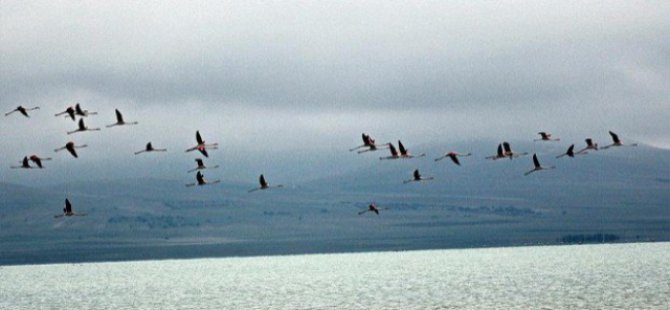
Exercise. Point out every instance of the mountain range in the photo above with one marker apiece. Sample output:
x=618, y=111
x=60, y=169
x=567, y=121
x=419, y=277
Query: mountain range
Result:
x=622, y=192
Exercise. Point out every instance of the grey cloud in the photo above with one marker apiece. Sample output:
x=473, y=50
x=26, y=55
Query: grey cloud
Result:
x=262, y=75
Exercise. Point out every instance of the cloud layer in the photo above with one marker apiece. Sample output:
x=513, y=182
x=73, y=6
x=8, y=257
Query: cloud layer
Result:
x=263, y=74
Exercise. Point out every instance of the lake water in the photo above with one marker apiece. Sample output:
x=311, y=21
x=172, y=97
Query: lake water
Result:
x=554, y=277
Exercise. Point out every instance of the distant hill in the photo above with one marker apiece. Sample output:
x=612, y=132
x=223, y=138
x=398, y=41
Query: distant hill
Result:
x=622, y=192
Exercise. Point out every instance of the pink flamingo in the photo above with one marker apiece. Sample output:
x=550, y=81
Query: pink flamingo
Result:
x=616, y=142
x=83, y=113
x=509, y=153
x=70, y=147
x=67, y=211
x=201, y=166
x=264, y=185
x=70, y=113
x=24, y=164
x=537, y=166
x=368, y=142
x=453, y=156
x=571, y=152
x=38, y=160
x=23, y=110
x=372, y=208
x=590, y=145
x=150, y=148
x=545, y=137
x=120, y=121
x=404, y=153
x=500, y=154
x=201, y=146
x=417, y=177
x=82, y=127
x=200, y=180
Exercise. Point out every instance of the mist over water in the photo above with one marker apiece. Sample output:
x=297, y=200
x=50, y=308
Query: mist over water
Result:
x=557, y=277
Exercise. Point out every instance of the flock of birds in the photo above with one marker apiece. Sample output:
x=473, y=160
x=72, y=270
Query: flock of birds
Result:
x=504, y=150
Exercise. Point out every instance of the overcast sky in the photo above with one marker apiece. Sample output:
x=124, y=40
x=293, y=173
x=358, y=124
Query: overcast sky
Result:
x=275, y=78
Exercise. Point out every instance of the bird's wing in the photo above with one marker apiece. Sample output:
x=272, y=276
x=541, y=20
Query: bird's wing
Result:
x=615, y=137
x=507, y=147
x=454, y=159
x=402, y=148
x=119, y=117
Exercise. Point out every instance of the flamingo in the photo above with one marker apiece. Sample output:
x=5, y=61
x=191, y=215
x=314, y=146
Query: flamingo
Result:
x=201, y=166
x=417, y=178
x=394, y=153
x=23, y=110
x=368, y=142
x=537, y=165
x=201, y=146
x=70, y=147
x=200, y=178
x=372, y=208
x=404, y=153
x=150, y=148
x=24, y=164
x=509, y=153
x=38, y=160
x=616, y=142
x=120, y=121
x=70, y=113
x=589, y=146
x=264, y=185
x=82, y=127
x=500, y=154
x=453, y=156
x=544, y=136
x=67, y=211
x=571, y=152
x=83, y=113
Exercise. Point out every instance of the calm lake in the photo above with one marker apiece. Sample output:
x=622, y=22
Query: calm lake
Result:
x=635, y=275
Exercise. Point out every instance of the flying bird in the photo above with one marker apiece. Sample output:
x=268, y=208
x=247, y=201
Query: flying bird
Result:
x=120, y=121
x=590, y=145
x=509, y=153
x=537, y=166
x=83, y=113
x=70, y=147
x=264, y=185
x=394, y=153
x=570, y=152
x=417, y=177
x=201, y=146
x=70, y=113
x=200, y=180
x=616, y=142
x=150, y=148
x=453, y=156
x=545, y=137
x=82, y=127
x=67, y=211
x=368, y=142
x=24, y=164
x=372, y=208
x=404, y=153
x=201, y=165
x=38, y=160
x=23, y=110
x=499, y=154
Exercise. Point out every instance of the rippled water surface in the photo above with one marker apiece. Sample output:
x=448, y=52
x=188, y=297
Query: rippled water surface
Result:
x=558, y=277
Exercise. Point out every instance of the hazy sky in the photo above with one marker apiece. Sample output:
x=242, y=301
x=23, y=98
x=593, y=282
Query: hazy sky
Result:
x=273, y=80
